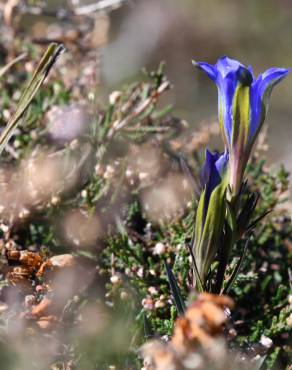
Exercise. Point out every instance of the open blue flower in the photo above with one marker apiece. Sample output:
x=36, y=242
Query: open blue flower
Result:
x=242, y=107
x=210, y=211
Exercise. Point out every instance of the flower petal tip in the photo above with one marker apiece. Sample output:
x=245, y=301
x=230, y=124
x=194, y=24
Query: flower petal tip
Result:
x=209, y=69
x=286, y=71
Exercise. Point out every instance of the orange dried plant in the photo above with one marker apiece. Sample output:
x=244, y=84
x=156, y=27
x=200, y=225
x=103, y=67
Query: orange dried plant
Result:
x=194, y=334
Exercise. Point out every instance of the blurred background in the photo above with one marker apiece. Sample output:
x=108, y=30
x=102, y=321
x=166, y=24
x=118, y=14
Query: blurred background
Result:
x=130, y=35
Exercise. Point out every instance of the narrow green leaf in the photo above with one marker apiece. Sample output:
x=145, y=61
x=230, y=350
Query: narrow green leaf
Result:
x=237, y=269
x=41, y=72
x=206, y=250
x=178, y=300
x=223, y=256
x=258, y=219
x=199, y=283
x=246, y=213
x=148, y=333
x=198, y=230
x=231, y=216
x=163, y=112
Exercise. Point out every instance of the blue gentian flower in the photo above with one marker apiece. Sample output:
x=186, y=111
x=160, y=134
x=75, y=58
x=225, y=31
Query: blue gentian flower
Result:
x=242, y=107
x=210, y=211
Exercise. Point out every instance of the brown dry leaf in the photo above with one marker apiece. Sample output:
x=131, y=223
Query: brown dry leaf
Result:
x=19, y=274
x=213, y=314
x=199, y=329
x=29, y=263
x=43, y=268
x=220, y=300
x=30, y=259
x=181, y=336
x=191, y=331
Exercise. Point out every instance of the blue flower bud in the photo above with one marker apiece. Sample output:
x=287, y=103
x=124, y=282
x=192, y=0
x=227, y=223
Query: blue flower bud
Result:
x=210, y=211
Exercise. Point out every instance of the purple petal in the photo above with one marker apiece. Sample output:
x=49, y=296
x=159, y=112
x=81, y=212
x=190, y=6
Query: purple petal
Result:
x=226, y=65
x=231, y=73
x=226, y=89
x=207, y=167
x=221, y=162
x=211, y=174
x=251, y=71
x=269, y=79
x=213, y=168
x=207, y=68
x=259, y=95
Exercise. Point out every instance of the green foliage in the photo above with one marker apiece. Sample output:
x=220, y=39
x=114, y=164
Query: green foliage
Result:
x=263, y=286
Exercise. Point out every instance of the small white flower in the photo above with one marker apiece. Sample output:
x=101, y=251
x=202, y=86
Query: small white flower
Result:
x=159, y=304
x=143, y=176
x=129, y=172
x=84, y=193
x=140, y=272
x=4, y=228
x=148, y=303
x=55, y=200
x=159, y=248
x=114, y=97
x=74, y=144
x=109, y=172
x=152, y=290
x=115, y=279
x=266, y=341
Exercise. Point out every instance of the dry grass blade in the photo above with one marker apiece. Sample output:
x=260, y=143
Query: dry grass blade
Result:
x=6, y=68
x=48, y=60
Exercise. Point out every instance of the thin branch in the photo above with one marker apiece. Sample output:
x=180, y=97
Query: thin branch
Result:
x=6, y=68
x=139, y=110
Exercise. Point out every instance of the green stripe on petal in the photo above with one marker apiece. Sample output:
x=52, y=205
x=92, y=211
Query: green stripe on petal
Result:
x=221, y=120
x=240, y=134
x=241, y=116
